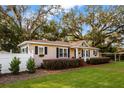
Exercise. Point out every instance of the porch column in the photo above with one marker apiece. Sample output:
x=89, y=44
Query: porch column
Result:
x=76, y=52
x=115, y=57
x=85, y=56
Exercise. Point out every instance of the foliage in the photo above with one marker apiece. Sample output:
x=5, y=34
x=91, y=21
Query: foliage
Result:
x=31, y=65
x=111, y=49
x=104, y=25
x=71, y=25
x=14, y=65
x=61, y=63
x=17, y=25
x=99, y=60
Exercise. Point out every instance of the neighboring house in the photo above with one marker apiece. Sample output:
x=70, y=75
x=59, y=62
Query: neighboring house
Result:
x=59, y=49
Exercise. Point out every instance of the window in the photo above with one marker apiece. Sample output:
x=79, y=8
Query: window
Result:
x=63, y=52
x=41, y=50
x=88, y=53
x=94, y=52
x=24, y=50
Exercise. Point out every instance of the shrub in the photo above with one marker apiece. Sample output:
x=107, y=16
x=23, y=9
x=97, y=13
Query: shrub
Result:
x=100, y=60
x=61, y=63
x=31, y=65
x=14, y=65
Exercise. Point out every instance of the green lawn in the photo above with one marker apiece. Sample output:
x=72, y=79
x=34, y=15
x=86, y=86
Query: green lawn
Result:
x=106, y=75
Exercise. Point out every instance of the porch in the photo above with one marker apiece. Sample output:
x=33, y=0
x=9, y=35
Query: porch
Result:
x=84, y=53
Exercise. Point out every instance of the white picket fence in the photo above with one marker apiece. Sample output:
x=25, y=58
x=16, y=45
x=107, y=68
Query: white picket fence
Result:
x=5, y=60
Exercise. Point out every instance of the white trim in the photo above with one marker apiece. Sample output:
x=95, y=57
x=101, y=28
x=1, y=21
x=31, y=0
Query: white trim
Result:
x=31, y=42
x=76, y=52
x=84, y=47
x=85, y=55
x=41, y=43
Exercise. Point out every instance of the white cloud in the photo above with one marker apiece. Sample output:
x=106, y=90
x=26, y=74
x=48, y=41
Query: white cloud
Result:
x=67, y=6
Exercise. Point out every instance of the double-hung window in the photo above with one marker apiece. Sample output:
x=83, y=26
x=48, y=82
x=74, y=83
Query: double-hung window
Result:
x=88, y=53
x=41, y=51
x=63, y=52
x=95, y=52
x=60, y=52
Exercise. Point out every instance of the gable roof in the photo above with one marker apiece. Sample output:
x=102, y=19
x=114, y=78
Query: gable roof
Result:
x=79, y=43
x=74, y=44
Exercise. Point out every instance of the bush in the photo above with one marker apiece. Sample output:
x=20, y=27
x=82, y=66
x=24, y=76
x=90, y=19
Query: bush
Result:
x=14, y=65
x=100, y=60
x=31, y=65
x=61, y=63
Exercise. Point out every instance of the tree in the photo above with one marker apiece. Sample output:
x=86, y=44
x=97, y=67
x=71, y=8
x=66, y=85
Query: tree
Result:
x=18, y=21
x=106, y=25
x=71, y=24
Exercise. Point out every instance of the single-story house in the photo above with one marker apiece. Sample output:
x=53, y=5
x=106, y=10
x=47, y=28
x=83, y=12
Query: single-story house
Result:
x=59, y=49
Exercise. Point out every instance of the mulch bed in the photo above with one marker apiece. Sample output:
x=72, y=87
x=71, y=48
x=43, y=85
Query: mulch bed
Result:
x=10, y=78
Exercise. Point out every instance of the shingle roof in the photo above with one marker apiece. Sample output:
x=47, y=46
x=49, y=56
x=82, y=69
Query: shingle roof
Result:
x=53, y=42
x=59, y=43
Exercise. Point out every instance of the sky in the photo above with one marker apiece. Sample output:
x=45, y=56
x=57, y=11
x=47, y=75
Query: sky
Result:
x=81, y=8
x=66, y=7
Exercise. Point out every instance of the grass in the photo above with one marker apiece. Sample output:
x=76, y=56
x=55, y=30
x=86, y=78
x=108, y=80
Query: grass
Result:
x=100, y=76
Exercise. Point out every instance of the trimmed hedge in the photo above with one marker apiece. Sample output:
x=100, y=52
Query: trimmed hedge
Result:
x=100, y=60
x=62, y=63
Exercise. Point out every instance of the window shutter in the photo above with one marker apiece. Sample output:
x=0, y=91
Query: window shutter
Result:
x=75, y=53
x=68, y=52
x=57, y=52
x=36, y=50
x=46, y=50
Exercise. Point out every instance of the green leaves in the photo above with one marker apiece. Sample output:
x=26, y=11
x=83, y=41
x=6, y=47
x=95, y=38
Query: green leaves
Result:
x=31, y=65
x=14, y=65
